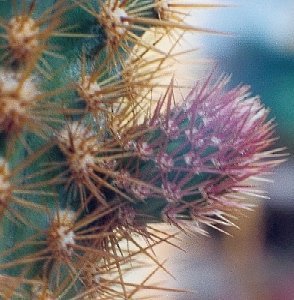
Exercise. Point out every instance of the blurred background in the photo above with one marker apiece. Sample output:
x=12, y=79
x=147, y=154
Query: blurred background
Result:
x=257, y=261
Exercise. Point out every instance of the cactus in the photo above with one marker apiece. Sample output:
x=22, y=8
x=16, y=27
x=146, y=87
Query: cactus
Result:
x=90, y=155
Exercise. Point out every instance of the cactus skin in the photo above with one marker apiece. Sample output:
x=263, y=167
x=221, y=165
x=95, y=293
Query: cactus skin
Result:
x=87, y=162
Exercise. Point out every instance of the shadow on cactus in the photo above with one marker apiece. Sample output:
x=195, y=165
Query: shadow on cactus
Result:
x=95, y=149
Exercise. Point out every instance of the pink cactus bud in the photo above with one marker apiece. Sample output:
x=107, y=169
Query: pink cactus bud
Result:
x=205, y=150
